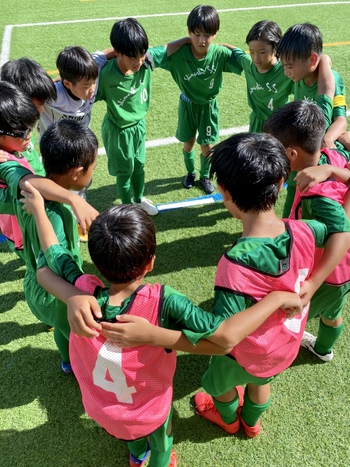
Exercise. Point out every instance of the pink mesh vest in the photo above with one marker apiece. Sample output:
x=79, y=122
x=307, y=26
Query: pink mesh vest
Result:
x=336, y=191
x=128, y=391
x=8, y=224
x=275, y=344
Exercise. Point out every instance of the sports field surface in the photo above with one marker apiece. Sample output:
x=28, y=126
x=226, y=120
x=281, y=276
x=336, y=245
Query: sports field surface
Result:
x=42, y=420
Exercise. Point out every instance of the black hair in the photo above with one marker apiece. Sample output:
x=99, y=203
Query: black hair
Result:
x=203, y=18
x=299, y=42
x=30, y=77
x=265, y=30
x=17, y=111
x=250, y=166
x=129, y=38
x=67, y=144
x=122, y=241
x=75, y=63
x=299, y=123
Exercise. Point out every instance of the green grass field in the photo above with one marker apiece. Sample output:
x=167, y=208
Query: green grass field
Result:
x=42, y=420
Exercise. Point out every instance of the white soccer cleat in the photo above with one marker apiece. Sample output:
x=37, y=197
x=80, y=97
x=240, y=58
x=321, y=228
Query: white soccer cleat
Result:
x=147, y=206
x=308, y=342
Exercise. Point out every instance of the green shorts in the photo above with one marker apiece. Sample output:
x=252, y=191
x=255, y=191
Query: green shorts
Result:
x=329, y=301
x=123, y=146
x=203, y=118
x=224, y=373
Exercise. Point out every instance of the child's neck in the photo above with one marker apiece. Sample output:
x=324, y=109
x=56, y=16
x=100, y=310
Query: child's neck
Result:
x=312, y=78
x=262, y=224
x=310, y=160
x=198, y=56
x=120, y=292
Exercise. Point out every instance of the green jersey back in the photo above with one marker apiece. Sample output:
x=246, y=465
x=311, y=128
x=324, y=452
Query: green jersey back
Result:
x=199, y=80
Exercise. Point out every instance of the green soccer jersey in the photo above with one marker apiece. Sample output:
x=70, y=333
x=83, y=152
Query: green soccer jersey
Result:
x=265, y=255
x=177, y=312
x=33, y=158
x=266, y=92
x=127, y=97
x=199, y=80
x=302, y=91
x=43, y=305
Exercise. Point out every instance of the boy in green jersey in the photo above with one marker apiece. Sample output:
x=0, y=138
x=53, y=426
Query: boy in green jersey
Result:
x=300, y=127
x=197, y=69
x=69, y=152
x=33, y=80
x=106, y=372
x=300, y=51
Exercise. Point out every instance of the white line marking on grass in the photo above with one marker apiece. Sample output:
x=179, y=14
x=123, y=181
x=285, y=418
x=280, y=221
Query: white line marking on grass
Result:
x=5, y=47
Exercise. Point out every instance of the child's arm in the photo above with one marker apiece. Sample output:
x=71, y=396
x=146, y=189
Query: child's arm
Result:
x=230, y=332
x=307, y=178
x=174, y=46
x=325, y=79
x=80, y=306
x=336, y=247
x=109, y=53
x=337, y=128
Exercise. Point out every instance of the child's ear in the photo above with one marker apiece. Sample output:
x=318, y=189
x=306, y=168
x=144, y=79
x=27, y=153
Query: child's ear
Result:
x=76, y=172
x=150, y=264
x=292, y=154
x=314, y=59
x=67, y=84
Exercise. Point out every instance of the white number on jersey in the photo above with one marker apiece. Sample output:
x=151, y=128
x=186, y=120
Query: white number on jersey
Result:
x=294, y=324
x=270, y=104
x=109, y=364
x=144, y=96
x=208, y=130
x=211, y=84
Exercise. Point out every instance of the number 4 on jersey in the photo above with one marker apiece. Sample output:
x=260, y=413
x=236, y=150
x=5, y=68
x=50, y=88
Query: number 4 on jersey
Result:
x=108, y=373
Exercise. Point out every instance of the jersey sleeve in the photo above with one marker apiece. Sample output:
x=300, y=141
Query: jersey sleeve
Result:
x=159, y=55
x=100, y=58
x=339, y=102
x=61, y=262
x=237, y=61
x=328, y=211
x=6, y=202
x=179, y=313
x=326, y=105
x=319, y=230
x=11, y=173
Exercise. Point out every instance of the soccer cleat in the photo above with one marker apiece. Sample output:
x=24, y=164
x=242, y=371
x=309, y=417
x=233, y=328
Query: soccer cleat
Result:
x=205, y=407
x=135, y=462
x=66, y=368
x=173, y=459
x=308, y=342
x=250, y=431
x=82, y=237
x=189, y=180
x=147, y=206
x=208, y=187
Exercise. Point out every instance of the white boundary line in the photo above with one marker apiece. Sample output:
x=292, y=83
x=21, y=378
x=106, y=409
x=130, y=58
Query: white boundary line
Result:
x=5, y=46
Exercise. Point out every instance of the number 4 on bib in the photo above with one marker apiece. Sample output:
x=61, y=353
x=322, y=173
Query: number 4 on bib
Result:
x=108, y=373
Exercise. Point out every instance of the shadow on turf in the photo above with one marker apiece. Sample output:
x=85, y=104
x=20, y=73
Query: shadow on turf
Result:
x=10, y=271
x=10, y=300
x=11, y=331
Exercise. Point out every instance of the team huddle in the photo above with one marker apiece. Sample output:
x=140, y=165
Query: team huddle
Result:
x=119, y=338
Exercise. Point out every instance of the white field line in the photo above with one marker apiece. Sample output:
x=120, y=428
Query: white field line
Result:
x=5, y=46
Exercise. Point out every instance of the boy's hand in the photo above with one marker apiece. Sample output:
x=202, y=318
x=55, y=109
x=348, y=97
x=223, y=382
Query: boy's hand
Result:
x=129, y=331
x=81, y=310
x=308, y=177
x=83, y=211
x=291, y=304
x=4, y=156
x=32, y=200
x=148, y=63
x=307, y=291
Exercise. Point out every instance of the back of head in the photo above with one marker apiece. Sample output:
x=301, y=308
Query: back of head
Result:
x=67, y=144
x=129, y=38
x=122, y=241
x=265, y=30
x=17, y=111
x=205, y=19
x=30, y=77
x=299, y=123
x=75, y=63
x=250, y=166
x=299, y=42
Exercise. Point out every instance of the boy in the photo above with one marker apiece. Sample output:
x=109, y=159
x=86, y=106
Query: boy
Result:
x=33, y=80
x=69, y=152
x=250, y=170
x=300, y=50
x=197, y=69
x=300, y=127
x=268, y=88
x=130, y=400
